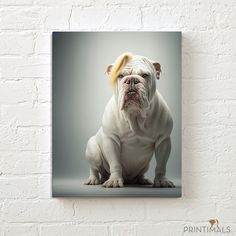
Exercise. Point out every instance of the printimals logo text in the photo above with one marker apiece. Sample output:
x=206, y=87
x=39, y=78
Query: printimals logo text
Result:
x=212, y=227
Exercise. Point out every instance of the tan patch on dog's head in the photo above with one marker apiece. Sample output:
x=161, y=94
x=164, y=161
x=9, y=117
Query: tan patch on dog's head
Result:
x=114, y=70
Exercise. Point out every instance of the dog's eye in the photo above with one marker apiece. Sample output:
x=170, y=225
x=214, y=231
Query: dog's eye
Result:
x=145, y=76
x=120, y=76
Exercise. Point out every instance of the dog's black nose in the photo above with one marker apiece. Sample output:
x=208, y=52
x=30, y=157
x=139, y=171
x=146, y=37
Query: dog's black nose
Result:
x=132, y=81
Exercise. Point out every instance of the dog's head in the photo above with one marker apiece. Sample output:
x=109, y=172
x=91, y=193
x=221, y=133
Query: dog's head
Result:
x=134, y=80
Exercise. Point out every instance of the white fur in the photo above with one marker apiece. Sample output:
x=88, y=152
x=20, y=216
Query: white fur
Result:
x=121, y=150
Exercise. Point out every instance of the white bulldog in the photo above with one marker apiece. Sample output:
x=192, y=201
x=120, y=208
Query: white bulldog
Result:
x=136, y=123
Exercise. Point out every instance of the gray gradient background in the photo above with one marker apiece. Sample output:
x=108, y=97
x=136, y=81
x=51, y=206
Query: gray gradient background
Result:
x=81, y=90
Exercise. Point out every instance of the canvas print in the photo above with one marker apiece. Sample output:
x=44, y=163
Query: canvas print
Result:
x=116, y=114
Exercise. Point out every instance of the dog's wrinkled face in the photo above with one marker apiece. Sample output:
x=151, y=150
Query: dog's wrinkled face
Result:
x=136, y=84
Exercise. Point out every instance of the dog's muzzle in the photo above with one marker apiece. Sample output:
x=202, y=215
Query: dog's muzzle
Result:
x=131, y=82
x=131, y=92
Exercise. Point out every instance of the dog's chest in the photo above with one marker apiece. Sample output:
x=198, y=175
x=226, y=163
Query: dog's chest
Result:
x=134, y=145
x=135, y=154
x=128, y=133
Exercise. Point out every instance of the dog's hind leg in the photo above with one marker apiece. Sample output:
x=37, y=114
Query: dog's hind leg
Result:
x=162, y=153
x=93, y=154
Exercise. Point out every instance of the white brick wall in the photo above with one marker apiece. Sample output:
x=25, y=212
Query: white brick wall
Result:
x=209, y=117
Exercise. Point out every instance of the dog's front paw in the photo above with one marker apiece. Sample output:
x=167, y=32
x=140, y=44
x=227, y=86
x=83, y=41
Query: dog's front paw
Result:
x=163, y=183
x=92, y=180
x=113, y=183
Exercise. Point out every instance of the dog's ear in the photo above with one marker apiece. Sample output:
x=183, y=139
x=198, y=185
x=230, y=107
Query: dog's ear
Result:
x=157, y=67
x=108, y=69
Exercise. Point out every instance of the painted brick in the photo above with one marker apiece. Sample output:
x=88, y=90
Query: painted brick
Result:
x=45, y=186
x=25, y=67
x=166, y=229
x=15, y=2
x=227, y=210
x=209, y=139
x=14, y=44
x=22, y=163
x=224, y=16
x=57, y=18
x=123, y=230
x=112, y=210
x=169, y=19
x=74, y=230
x=100, y=18
x=21, y=230
x=194, y=17
x=214, y=68
x=26, y=115
x=18, y=187
x=209, y=42
x=43, y=44
x=226, y=162
x=20, y=91
x=43, y=90
x=102, y=3
x=44, y=140
x=195, y=161
x=210, y=114
x=185, y=209
x=64, y=2
x=12, y=139
x=29, y=211
x=18, y=18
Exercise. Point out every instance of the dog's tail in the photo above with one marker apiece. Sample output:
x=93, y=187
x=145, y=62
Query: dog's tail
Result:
x=120, y=63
